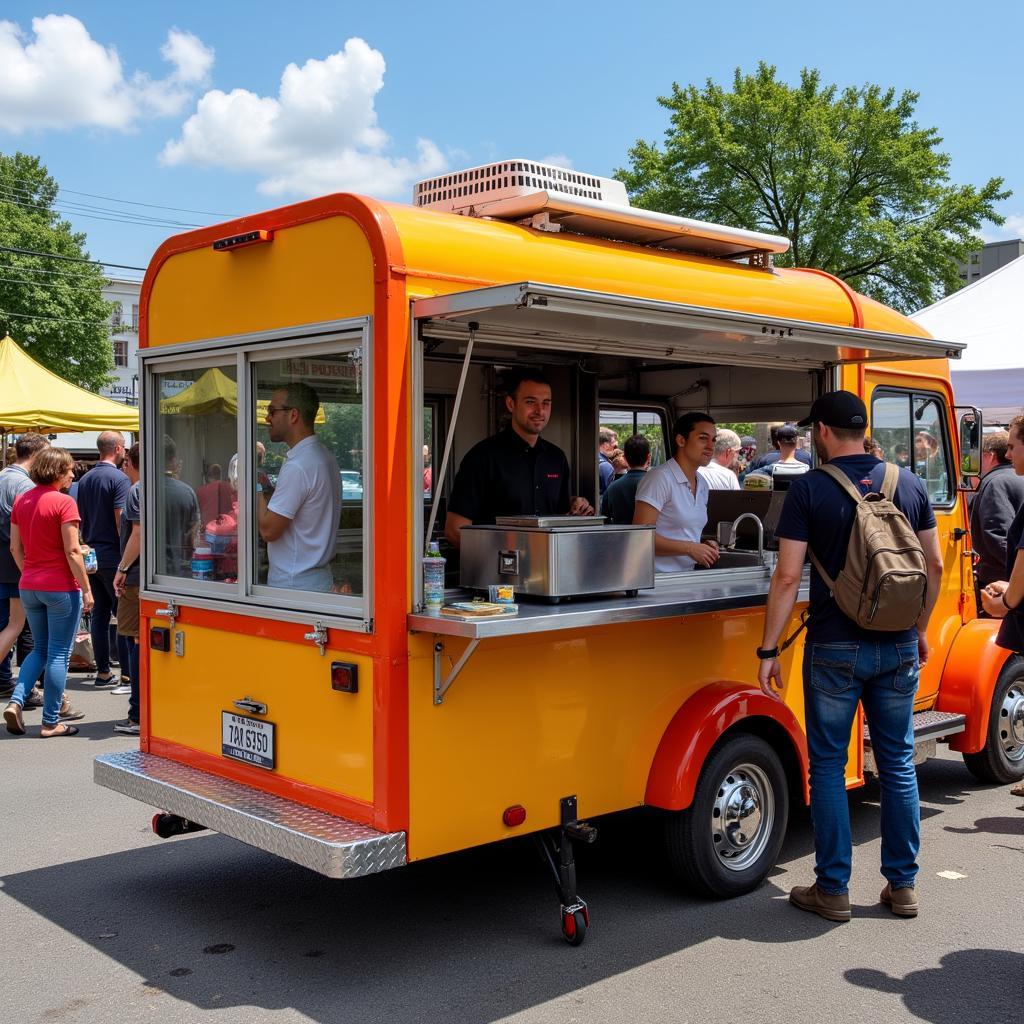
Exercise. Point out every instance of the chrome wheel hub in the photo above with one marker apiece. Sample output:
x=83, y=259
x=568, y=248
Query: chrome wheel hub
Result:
x=1011, y=722
x=742, y=816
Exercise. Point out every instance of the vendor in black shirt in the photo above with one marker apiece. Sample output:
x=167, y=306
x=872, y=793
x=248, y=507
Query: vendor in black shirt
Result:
x=515, y=472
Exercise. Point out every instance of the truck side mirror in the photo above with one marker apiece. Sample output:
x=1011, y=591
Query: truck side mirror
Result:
x=970, y=428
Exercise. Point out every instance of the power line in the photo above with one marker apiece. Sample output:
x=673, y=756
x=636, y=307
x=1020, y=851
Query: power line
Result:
x=71, y=275
x=63, y=208
x=131, y=202
x=47, y=284
x=71, y=259
x=58, y=319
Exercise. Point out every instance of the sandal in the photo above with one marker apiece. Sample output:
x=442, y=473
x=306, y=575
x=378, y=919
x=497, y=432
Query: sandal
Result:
x=15, y=723
x=61, y=729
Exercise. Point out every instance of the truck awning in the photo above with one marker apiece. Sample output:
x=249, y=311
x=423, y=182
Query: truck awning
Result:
x=550, y=316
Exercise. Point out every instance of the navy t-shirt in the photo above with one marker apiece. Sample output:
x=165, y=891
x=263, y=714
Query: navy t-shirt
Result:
x=819, y=512
x=504, y=476
x=103, y=489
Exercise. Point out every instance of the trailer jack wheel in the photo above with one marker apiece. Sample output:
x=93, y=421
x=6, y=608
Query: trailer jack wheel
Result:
x=168, y=825
x=559, y=857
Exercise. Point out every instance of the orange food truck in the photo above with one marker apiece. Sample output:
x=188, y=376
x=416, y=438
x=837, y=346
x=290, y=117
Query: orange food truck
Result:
x=320, y=713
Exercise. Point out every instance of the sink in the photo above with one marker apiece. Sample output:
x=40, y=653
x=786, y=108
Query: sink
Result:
x=734, y=560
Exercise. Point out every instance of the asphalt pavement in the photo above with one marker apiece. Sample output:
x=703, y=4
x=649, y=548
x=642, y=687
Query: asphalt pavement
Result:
x=100, y=920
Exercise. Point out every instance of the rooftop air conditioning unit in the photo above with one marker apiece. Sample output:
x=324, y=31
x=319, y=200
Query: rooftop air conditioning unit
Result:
x=557, y=198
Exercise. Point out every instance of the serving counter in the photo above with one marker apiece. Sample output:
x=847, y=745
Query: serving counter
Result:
x=692, y=593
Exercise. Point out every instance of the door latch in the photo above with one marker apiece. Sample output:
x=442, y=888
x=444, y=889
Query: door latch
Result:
x=318, y=635
x=252, y=706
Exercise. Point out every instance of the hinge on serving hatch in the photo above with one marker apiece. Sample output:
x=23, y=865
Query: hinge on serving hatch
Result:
x=318, y=635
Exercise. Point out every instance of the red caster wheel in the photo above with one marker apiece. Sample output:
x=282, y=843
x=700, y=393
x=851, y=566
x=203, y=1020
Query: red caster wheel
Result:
x=575, y=922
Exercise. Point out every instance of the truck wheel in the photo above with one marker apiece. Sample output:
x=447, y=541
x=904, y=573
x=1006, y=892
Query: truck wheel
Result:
x=1002, y=757
x=727, y=840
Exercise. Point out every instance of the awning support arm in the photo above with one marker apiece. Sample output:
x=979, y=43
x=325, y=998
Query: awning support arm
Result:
x=449, y=440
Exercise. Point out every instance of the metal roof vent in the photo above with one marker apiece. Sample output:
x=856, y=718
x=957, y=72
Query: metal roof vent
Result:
x=462, y=191
x=552, y=198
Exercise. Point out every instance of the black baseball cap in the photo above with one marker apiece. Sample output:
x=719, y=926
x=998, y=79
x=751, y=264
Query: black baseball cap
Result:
x=841, y=409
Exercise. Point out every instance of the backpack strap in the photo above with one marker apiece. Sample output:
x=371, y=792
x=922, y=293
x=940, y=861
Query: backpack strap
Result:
x=847, y=485
x=890, y=481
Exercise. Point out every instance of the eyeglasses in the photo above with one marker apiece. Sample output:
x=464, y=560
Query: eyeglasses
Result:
x=281, y=408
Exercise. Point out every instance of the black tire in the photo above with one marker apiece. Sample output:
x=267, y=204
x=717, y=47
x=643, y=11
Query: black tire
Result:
x=743, y=779
x=1001, y=760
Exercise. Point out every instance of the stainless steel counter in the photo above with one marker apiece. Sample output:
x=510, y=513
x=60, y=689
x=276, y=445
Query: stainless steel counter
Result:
x=689, y=594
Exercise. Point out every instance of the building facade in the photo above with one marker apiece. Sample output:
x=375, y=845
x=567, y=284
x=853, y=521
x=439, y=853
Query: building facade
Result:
x=124, y=338
x=990, y=257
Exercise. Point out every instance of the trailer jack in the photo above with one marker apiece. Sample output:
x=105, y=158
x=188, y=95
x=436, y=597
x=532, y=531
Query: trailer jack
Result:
x=559, y=856
x=168, y=825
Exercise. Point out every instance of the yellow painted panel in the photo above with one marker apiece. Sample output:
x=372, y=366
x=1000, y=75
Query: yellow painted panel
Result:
x=496, y=252
x=531, y=719
x=318, y=271
x=324, y=737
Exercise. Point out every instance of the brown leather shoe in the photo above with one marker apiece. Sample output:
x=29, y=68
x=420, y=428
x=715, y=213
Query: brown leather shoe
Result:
x=832, y=908
x=1017, y=790
x=902, y=902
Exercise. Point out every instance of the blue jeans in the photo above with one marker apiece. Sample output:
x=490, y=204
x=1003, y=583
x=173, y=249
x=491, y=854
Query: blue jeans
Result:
x=133, y=663
x=883, y=677
x=99, y=621
x=53, y=616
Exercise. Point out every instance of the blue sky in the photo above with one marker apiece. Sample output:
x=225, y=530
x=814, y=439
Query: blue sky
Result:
x=183, y=105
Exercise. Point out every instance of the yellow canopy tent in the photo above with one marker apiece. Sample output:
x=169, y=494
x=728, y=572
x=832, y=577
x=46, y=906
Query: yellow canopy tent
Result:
x=214, y=392
x=34, y=398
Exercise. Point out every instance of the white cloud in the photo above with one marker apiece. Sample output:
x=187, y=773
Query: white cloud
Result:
x=320, y=134
x=1012, y=228
x=62, y=78
x=558, y=159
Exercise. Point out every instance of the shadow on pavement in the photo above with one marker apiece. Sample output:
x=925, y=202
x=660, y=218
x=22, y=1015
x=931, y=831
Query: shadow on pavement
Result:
x=998, y=827
x=987, y=983
x=466, y=938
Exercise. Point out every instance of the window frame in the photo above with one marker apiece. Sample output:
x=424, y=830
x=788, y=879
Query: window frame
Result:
x=247, y=597
x=912, y=395
x=634, y=406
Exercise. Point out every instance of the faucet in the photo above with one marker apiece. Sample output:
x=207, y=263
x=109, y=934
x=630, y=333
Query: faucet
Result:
x=731, y=544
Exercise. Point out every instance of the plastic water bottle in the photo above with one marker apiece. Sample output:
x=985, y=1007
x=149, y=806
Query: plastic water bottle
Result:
x=202, y=564
x=433, y=580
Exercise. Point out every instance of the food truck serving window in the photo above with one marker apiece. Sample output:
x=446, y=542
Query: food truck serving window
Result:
x=257, y=474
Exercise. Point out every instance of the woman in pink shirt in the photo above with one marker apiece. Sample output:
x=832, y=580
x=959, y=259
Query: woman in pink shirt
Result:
x=54, y=586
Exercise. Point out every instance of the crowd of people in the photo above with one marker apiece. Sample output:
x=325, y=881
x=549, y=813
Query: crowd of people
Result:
x=60, y=557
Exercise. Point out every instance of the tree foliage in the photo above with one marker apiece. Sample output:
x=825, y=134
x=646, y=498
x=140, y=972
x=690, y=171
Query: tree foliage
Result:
x=859, y=188
x=54, y=307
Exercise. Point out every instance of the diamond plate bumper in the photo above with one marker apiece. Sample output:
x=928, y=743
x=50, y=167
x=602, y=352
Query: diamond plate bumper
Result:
x=332, y=846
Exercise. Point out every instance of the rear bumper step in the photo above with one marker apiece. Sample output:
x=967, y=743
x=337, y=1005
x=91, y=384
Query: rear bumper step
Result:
x=930, y=725
x=329, y=845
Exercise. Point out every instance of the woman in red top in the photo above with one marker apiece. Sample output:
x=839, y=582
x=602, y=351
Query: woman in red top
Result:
x=54, y=586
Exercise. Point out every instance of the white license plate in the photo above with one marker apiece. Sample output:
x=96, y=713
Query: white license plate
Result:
x=247, y=739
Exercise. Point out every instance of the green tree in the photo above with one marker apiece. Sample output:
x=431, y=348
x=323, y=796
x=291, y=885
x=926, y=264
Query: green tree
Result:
x=54, y=307
x=859, y=188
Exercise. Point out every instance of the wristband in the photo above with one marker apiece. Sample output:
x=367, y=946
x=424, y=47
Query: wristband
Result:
x=768, y=654
x=124, y=571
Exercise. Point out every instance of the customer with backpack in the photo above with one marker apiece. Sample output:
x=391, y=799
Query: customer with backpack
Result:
x=871, y=536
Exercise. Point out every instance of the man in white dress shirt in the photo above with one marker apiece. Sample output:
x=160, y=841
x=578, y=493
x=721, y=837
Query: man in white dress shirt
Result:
x=674, y=498
x=718, y=472
x=300, y=521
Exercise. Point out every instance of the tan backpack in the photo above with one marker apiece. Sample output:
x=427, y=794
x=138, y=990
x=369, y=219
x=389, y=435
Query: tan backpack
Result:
x=884, y=583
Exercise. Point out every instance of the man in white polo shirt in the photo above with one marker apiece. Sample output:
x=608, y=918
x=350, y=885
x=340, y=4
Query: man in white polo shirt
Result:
x=674, y=498
x=300, y=522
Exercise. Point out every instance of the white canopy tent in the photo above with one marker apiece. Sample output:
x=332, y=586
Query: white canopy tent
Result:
x=989, y=317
